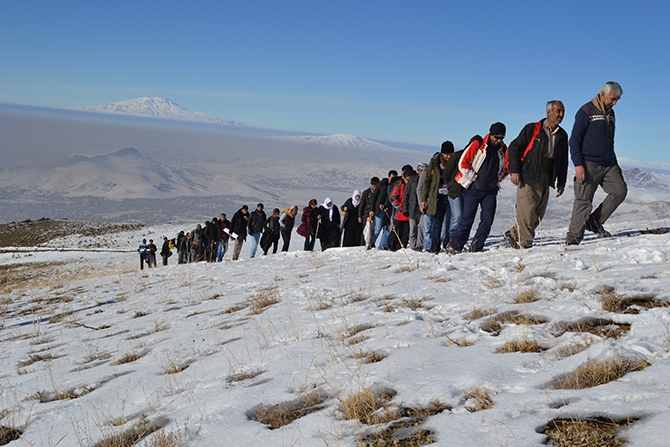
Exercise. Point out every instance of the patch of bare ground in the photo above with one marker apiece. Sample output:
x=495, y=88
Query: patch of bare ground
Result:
x=393, y=425
x=9, y=434
x=495, y=324
x=613, y=302
x=31, y=233
x=593, y=373
x=592, y=432
x=601, y=327
x=284, y=413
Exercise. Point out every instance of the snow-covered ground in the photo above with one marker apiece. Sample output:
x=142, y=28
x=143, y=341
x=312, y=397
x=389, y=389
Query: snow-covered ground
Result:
x=210, y=351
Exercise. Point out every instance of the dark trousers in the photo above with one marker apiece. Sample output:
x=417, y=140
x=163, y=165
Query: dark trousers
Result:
x=286, y=237
x=399, y=235
x=472, y=200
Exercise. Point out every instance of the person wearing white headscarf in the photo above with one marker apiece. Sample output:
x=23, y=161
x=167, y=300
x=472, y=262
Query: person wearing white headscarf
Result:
x=328, y=226
x=353, y=229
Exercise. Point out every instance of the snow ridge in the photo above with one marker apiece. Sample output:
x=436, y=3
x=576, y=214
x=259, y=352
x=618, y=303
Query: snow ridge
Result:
x=156, y=108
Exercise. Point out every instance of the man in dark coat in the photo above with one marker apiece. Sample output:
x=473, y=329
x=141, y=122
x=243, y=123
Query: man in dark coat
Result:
x=256, y=224
x=224, y=225
x=538, y=160
x=238, y=228
x=382, y=210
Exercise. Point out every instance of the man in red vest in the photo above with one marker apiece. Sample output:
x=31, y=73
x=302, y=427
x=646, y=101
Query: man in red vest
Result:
x=538, y=159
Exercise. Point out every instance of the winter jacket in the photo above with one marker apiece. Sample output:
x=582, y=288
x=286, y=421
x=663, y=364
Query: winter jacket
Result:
x=529, y=168
x=440, y=174
x=224, y=224
x=239, y=224
x=592, y=137
x=256, y=221
x=367, y=203
x=411, y=198
x=286, y=221
x=308, y=222
x=473, y=158
x=272, y=226
x=396, y=197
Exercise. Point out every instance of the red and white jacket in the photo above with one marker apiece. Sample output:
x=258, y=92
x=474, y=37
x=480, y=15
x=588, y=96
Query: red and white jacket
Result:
x=472, y=159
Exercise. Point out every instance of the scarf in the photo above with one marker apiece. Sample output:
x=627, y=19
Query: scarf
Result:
x=353, y=198
x=329, y=208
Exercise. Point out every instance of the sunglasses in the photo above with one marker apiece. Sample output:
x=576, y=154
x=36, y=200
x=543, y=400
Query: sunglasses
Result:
x=498, y=137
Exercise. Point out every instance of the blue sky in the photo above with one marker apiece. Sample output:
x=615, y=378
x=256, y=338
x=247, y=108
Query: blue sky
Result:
x=410, y=71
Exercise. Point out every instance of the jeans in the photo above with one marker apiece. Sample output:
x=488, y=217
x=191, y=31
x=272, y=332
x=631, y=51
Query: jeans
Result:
x=456, y=207
x=255, y=239
x=472, y=200
x=221, y=249
x=432, y=225
x=381, y=227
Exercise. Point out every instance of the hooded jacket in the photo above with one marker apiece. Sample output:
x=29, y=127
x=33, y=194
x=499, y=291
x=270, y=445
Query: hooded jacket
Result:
x=472, y=159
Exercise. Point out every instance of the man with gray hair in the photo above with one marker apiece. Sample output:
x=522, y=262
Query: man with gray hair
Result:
x=538, y=159
x=592, y=153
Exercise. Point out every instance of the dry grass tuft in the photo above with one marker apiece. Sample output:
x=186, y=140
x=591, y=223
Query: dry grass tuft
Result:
x=573, y=348
x=239, y=377
x=34, y=358
x=476, y=313
x=142, y=428
x=369, y=407
x=284, y=413
x=354, y=340
x=412, y=303
x=462, y=343
x=234, y=308
x=597, y=326
x=140, y=314
x=263, y=298
x=527, y=296
x=521, y=346
x=613, y=302
x=596, y=432
x=128, y=357
x=371, y=356
x=403, y=269
x=592, y=373
x=495, y=324
x=478, y=399
x=9, y=434
x=357, y=329
x=47, y=396
x=403, y=432
x=319, y=304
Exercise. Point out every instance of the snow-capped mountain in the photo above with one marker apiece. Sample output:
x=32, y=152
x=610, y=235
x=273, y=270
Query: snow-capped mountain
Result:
x=156, y=108
x=117, y=175
x=338, y=139
x=637, y=178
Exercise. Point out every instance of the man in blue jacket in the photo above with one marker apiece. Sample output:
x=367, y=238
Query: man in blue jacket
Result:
x=592, y=153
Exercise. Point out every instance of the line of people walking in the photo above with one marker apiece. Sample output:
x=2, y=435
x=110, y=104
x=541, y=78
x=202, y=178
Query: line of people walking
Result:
x=434, y=207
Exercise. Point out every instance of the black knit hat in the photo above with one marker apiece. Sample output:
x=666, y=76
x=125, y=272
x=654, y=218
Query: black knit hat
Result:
x=447, y=147
x=498, y=129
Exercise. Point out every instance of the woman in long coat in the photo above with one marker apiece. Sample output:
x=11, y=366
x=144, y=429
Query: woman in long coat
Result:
x=353, y=229
x=307, y=228
x=328, y=225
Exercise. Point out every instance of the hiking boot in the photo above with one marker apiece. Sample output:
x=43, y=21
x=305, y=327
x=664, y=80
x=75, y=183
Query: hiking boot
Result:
x=511, y=241
x=452, y=251
x=596, y=227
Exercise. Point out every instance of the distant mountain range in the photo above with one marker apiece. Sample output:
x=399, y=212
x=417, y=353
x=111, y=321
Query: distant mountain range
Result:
x=157, y=108
x=339, y=139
